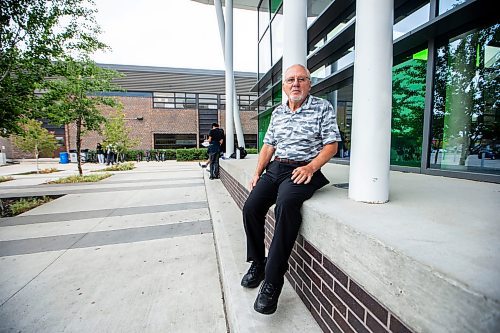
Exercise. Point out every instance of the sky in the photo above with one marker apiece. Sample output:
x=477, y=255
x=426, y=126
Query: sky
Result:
x=172, y=33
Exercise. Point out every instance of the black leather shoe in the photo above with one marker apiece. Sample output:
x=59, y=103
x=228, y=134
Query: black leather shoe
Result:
x=254, y=276
x=267, y=299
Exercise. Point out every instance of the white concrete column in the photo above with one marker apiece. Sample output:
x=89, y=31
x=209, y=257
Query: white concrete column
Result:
x=229, y=78
x=295, y=34
x=372, y=102
x=236, y=110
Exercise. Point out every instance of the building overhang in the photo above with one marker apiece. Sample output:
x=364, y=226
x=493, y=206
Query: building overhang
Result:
x=240, y=4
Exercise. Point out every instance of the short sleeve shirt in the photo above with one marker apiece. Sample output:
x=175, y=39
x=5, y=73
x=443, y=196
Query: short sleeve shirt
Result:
x=217, y=134
x=301, y=135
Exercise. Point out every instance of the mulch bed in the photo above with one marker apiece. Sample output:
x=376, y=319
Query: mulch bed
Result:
x=5, y=204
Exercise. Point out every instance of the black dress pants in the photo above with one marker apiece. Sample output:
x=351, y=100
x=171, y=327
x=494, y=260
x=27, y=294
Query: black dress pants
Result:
x=276, y=186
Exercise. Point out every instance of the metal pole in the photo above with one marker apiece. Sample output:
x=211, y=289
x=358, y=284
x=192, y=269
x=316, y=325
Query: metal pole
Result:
x=237, y=120
x=229, y=78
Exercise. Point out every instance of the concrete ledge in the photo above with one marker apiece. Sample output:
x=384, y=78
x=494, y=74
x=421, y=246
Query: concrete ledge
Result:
x=430, y=255
x=229, y=234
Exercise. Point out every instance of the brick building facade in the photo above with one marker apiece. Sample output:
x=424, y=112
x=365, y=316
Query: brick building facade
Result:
x=166, y=108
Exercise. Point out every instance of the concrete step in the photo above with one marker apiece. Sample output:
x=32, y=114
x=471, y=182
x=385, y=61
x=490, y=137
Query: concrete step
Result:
x=291, y=316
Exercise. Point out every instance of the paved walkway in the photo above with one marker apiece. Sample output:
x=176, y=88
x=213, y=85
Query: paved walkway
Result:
x=145, y=250
x=133, y=253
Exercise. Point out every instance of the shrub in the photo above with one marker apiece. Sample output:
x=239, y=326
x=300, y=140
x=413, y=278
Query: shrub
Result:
x=44, y=171
x=131, y=155
x=168, y=154
x=252, y=150
x=23, y=205
x=81, y=179
x=191, y=154
x=119, y=167
x=5, y=178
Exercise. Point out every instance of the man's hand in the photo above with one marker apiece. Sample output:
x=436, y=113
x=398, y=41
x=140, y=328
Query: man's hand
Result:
x=253, y=182
x=302, y=174
x=305, y=173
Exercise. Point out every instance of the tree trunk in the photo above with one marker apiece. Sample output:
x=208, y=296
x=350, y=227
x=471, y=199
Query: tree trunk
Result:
x=79, y=144
x=36, y=158
x=66, y=137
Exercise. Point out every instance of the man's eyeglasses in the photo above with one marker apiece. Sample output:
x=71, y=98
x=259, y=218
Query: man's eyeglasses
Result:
x=291, y=80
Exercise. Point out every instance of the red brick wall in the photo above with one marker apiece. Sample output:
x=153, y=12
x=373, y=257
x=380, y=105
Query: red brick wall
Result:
x=168, y=121
x=248, y=121
x=337, y=302
x=12, y=152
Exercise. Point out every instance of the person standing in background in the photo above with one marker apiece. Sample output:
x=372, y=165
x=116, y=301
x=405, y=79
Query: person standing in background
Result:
x=100, y=154
x=215, y=139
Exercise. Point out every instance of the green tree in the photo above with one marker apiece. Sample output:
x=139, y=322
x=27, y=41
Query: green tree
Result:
x=76, y=97
x=118, y=134
x=35, y=139
x=34, y=34
x=408, y=101
x=466, y=94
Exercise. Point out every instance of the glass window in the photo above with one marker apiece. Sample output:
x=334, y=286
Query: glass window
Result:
x=174, y=141
x=466, y=115
x=207, y=101
x=408, y=103
x=326, y=70
x=277, y=37
x=264, y=121
x=318, y=75
x=412, y=21
x=276, y=77
x=265, y=86
x=168, y=101
x=264, y=17
x=446, y=5
x=264, y=54
x=207, y=106
x=250, y=140
x=275, y=4
x=277, y=95
x=157, y=94
x=333, y=33
x=263, y=105
x=341, y=100
x=213, y=96
x=314, y=8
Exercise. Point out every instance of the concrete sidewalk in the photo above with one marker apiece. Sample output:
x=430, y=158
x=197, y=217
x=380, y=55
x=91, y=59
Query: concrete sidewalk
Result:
x=142, y=251
x=136, y=260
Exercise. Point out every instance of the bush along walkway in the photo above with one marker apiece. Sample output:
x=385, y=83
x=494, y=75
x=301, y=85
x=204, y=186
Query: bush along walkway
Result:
x=14, y=206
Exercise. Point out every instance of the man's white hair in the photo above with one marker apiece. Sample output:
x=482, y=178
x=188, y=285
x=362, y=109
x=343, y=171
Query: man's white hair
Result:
x=295, y=65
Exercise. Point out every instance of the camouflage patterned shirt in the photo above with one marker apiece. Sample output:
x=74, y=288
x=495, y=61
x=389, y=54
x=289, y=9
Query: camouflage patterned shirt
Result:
x=301, y=135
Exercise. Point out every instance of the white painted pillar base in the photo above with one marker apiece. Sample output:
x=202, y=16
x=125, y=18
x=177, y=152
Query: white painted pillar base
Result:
x=295, y=35
x=229, y=79
x=372, y=102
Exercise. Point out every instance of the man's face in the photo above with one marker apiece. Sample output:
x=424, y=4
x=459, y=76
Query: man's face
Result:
x=296, y=84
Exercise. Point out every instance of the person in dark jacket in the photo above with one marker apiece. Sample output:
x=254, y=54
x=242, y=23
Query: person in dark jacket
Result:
x=100, y=154
x=215, y=140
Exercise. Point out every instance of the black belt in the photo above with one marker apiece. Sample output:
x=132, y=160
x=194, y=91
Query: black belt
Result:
x=292, y=162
